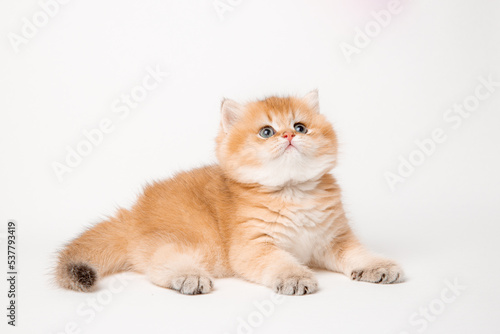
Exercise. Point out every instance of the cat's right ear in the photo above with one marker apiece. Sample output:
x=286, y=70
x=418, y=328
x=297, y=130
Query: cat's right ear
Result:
x=231, y=112
x=312, y=100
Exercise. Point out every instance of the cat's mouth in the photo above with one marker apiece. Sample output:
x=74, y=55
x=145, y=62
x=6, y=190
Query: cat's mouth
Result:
x=290, y=147
x=287, y=149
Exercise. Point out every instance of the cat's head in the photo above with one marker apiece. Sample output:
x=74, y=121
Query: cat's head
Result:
x=276, y=141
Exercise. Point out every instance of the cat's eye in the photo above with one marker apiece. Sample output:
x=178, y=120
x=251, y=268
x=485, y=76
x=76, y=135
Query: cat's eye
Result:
x=300, y=128
x=266, y=132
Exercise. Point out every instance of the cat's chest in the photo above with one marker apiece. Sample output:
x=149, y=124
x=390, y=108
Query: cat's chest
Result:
x=302, y=227
x=297, y=217
x=301, y=208
x=303, y=232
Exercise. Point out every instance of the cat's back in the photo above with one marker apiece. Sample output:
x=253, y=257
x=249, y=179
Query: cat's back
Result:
x=187, y=199
x=183, y=185
x=181, y=211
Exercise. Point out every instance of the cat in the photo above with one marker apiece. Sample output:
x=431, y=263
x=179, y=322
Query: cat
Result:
x=268, y=213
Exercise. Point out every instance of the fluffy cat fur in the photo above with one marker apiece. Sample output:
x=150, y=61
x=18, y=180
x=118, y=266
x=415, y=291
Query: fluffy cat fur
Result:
x=268, y=212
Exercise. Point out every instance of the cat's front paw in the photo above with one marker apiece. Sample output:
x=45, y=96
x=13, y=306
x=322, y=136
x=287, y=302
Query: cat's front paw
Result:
x=296, y=285
x=385, y=272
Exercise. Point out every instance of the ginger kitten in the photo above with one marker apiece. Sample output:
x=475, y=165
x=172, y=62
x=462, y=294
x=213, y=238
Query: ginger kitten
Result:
x=267, y=212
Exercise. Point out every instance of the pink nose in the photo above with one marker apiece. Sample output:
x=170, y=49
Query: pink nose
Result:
x=289, y=136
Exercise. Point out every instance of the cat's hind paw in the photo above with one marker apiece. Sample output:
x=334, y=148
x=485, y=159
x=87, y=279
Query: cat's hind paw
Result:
x=192, y=284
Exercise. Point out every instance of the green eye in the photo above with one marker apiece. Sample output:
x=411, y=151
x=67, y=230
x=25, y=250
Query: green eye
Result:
x=300, y=128
x=266, y=132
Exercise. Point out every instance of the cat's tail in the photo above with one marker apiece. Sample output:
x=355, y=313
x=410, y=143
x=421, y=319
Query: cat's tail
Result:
x=99, y=251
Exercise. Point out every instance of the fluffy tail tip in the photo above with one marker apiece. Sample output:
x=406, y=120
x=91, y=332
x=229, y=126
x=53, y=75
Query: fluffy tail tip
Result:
x=77, y=276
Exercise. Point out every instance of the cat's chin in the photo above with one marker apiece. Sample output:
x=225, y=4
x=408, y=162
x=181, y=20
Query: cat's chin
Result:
x=290, y=168
x=290, y=152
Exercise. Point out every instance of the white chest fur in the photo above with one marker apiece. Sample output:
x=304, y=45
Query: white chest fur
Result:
x=302, y=225
x=303, y=243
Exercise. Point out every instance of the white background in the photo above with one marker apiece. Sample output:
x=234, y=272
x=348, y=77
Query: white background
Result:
x=440, y=224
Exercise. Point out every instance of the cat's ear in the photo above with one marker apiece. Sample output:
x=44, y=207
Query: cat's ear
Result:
x=312, y=100
x=231, y=111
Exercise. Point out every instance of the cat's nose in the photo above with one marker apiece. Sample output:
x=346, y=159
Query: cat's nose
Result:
x=289, y=136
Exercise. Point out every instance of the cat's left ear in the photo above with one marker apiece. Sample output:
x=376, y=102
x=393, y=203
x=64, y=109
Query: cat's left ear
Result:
x=312, y=100
x=231, y=112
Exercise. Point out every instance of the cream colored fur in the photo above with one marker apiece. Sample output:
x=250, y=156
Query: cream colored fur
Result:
x=268, y=212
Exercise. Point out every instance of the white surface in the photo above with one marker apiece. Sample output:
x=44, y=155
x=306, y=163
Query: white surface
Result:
x=441, y=224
